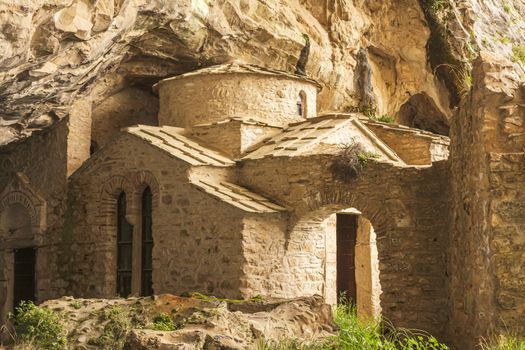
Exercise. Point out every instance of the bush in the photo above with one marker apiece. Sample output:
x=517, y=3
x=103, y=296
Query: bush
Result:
x=38, y=327
x=348, y=164
x=163, y=322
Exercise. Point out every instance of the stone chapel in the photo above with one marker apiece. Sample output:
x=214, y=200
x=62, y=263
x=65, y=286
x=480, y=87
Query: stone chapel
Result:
x=232, y=194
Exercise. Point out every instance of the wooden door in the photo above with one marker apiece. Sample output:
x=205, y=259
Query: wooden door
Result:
x=346, y=241
x=24, y=276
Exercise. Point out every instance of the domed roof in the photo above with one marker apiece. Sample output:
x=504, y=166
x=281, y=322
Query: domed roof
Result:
x=237, y=67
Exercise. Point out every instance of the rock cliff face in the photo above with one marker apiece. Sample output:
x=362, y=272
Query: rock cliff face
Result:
x=54, y=52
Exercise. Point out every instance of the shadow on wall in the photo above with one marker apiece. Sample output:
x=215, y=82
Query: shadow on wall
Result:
x=421, y=112
x=125, y=108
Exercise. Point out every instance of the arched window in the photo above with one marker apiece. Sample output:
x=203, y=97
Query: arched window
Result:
x=302, y=108
x=124, y=249
x=147, y=243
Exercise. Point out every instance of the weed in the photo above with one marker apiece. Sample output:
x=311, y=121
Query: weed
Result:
x=163, y=322
x=38, y=327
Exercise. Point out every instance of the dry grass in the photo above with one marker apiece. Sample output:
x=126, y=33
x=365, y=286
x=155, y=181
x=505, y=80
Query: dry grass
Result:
x=350, y=162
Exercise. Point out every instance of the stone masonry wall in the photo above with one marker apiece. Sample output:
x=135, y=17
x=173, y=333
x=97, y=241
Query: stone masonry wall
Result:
x=43, y=160
x=211, y=98
x=407, y=208
x=197, y=239
x=487, y=234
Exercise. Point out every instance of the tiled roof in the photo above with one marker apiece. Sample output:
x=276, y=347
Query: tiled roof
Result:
x=237, y=196
x=299, y=137
x=236, y=68
x=172, y=141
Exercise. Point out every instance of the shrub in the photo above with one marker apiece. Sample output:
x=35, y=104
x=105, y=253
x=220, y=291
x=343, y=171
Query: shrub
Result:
x=164, y=322
x=117, y=326
x=38, y=327
x=349, y=163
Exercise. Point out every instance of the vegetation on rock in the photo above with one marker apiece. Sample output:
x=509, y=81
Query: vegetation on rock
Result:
x=164, y=322
x=38, y=327
x=118, y=324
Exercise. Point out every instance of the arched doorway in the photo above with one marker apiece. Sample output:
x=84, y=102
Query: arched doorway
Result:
x=345, y=243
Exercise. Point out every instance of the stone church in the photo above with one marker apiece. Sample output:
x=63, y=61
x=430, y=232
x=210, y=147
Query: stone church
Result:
x=232, y=193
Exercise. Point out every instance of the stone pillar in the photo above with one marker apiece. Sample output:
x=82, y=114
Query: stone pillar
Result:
x=367, y=271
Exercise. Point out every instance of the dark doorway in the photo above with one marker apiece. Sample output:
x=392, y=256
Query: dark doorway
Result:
x=346, y=240
x=25, y=278
x=147, y=243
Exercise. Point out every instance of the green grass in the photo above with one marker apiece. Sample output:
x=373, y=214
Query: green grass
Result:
x=355, y=334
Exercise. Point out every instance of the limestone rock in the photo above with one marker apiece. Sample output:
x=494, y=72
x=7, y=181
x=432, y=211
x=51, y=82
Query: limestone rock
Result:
x=206, y=323
x=53, y=52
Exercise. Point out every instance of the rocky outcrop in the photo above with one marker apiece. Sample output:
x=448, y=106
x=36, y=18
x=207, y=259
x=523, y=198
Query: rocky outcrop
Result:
x=55, y=52
x=202, y=322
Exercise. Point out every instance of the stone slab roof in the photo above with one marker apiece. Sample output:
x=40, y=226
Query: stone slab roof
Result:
x=298, y=138
x=236, y=68
x=172, y=141
x=237, y=196
x=407, y=130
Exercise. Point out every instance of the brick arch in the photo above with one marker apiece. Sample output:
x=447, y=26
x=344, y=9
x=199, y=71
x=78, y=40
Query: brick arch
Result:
x=143, y=179
x=339, y=197
x=110, y=192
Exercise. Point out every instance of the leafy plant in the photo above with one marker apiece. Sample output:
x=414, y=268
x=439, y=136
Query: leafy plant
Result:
x=351, y=161
x=38, y=327
x=164, y=322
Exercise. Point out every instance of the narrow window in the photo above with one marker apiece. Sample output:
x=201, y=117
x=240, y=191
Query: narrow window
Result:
x=147, y=243
x=301, y=105
x=124, y=249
